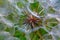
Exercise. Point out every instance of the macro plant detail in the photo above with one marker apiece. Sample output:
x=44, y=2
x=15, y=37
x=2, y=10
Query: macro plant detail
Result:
x=33, y=21
x=29, y=20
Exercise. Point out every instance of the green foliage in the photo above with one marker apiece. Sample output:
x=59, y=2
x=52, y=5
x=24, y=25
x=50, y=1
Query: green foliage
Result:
x=11, y=30
x=49, y=23
x=42, y=31
x=36, y=35
x=52, y=22
x=36, y=7
x=10, y=17
x=20, y=4
x=51, y=10
x=20, y=35
x=21, y=20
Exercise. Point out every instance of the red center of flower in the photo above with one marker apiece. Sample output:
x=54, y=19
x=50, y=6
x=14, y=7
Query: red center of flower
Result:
x=31, y=19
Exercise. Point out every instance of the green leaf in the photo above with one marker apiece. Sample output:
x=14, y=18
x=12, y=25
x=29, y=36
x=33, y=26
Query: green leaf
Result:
x=35, y=7
x=22, y=19
x=34, y=36
x=20, y=4
x=42, y=31
x=11, y=30
x=10, y=17
x=52, y=22
x=51, y=10
x=20, y=35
